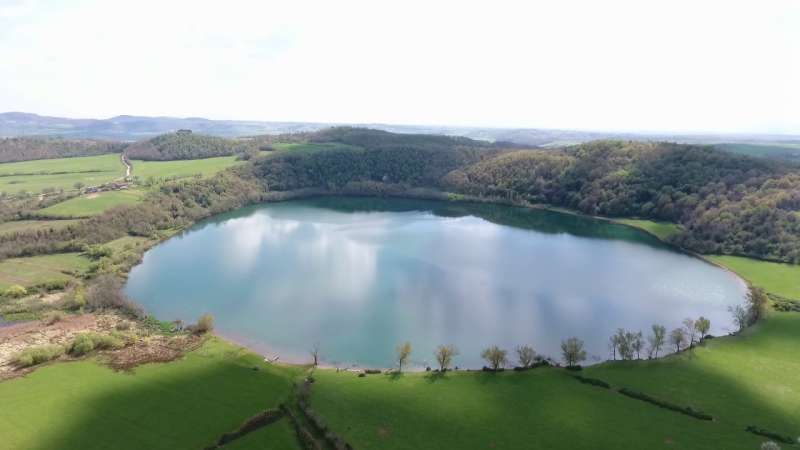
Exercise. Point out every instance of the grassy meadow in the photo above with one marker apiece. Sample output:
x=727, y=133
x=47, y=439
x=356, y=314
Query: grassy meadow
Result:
x=40, y=269
x=182, y=168
x=31, y=225
x=61, y=173
x=777, y=278
x=662, y=230
x=92, y=204
x=188, y=403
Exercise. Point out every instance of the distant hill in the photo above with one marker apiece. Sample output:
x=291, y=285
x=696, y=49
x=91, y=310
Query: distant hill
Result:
x=185, y=145
x=134, y=128
x=28, y=148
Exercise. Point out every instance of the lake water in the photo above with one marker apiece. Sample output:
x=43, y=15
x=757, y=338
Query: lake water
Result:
x=360, y=275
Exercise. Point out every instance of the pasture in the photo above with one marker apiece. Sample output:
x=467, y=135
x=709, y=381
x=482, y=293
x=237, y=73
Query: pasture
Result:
x=160, y=170
x=61, y=173
x=40, y=269
x=92, y=204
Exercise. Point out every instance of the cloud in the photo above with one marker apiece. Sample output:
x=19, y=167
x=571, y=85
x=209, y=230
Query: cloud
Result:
x=681, y=65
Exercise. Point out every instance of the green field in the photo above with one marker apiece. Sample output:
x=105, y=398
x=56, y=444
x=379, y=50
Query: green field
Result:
x=31, y=225
x=182, y=168
x=92, y=204
x=662, y=230
x=777, y=278
x=740, y=381
x=62, y=173
x=185, y=404
x=39, y=269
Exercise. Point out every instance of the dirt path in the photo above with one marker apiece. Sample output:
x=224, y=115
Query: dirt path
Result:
x=127, y=164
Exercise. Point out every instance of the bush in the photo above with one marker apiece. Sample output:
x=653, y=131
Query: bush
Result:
x=123, y=326
x=53, y=317
x=15, y=291
x=688, y=410
x=372, y=371
x=592, y=381
x=86, y=342
x=37, y=355
x=575, y=368
x=770, y=434
x=106, y=292
x=97, y=251
x=205, y=324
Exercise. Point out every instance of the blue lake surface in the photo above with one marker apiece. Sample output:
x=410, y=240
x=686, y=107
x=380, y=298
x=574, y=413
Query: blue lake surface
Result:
x=360, y=275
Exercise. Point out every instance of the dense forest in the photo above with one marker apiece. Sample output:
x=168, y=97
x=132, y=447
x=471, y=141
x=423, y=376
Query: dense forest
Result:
x=29, y=148
x=185, y=145
x=726, y=203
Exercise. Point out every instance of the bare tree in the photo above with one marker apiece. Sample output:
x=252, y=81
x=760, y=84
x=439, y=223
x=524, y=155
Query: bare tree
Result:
x=656, y=340
x=403, y=353
x=315, y=353
x=702, y=325
x=690, y=329
x=757, y=301
x=637, y=343
x=525, y=355
x=740, y=316
x=616, y=341
x=573, y=352
x=678, y=338
x=495, y=356
x=444, y=356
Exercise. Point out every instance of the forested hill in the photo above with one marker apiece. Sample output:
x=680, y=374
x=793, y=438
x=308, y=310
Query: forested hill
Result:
x=185, y=145
x=726, y=203
x=28, y=148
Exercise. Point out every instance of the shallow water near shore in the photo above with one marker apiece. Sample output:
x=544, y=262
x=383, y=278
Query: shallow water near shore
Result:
x=360, y=275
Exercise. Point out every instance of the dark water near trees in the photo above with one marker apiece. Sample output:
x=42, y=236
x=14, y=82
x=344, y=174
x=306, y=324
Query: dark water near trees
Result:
x=360, y=275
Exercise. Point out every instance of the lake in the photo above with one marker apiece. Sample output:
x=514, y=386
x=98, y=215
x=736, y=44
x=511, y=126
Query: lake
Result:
x=360, y=275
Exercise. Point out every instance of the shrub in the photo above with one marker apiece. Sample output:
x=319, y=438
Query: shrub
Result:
x=16, y=291
x=575, y=368
x=592, y=381
x=372, y=371
x=37, y=355
x=688, y=410
x=53, y=317
x=123, y=326
x=205, y=324
x=770, y=434
x=106, y=292
x=770, y=445
x=97, y=251
x=86, y=342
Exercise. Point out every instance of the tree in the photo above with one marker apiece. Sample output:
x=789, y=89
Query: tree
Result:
x=495, y=356
x=690, y=329
x=573, y=352
x=656, y=340
x=444, y=356
x=637, y=343
x=525, y=355
x=757, y=301
x=615, y=341
x=315, y=353
x=770, y=445
x=740, y=316
x=78, y=185
x=204, y=324
x=678, y=338
x=702, y=325
x=403, y=353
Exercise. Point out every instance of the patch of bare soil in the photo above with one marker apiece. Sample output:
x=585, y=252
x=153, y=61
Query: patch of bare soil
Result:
x=17, y=337
x=153, y=349
x=91, y=196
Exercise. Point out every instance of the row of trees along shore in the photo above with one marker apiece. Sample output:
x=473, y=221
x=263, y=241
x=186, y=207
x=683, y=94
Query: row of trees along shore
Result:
x=623, y=344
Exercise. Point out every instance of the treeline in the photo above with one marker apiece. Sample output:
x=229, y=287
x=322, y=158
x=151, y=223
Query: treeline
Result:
x=186, y=145
x=174, y=206
x=726, y=203
x=30, y=148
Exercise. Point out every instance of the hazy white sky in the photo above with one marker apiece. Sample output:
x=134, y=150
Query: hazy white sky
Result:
x=698, y=65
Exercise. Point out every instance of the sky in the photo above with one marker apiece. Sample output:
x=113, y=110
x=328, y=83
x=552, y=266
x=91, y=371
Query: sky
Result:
x=689, y=66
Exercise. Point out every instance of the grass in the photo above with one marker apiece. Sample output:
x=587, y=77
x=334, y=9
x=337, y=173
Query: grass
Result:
x=188, y=403
x=279, y=436
x=182, y=168
x=40, y=269
x=777, y=278
x=543, y=408
x=33, y=225
x=662, y=230
x=62, y=173
x=92, y=204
